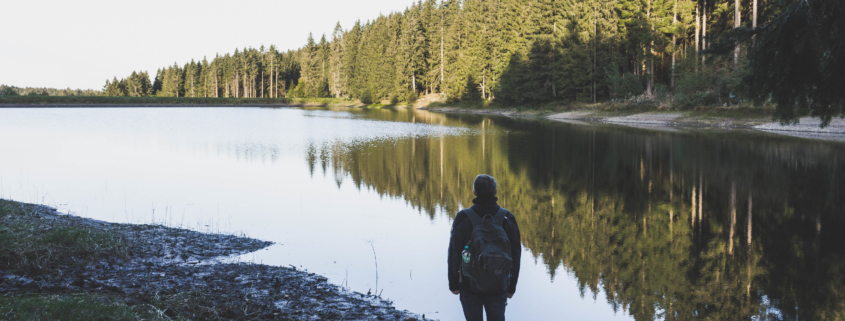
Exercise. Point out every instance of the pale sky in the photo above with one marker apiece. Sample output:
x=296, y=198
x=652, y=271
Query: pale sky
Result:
x=80, y=44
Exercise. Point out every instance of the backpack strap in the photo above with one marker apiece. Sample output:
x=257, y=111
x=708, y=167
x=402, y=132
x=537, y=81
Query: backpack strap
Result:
x=473, y=217
x=500, y=216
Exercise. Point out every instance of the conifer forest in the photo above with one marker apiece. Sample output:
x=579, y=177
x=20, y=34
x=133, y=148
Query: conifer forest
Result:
x=533, y=52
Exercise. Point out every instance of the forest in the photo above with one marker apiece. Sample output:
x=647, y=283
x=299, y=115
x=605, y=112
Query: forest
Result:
x=689, y=53
x=6, y=90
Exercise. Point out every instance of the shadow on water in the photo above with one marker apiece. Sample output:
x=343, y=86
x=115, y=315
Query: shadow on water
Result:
x=674, y=225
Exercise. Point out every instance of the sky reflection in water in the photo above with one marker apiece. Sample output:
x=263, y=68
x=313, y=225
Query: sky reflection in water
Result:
x=647, y=223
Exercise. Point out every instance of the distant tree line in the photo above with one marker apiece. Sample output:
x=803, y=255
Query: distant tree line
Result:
x=249, y=73
x=6, y=90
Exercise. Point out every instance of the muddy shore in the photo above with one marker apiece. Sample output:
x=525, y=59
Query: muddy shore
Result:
x=184, y=274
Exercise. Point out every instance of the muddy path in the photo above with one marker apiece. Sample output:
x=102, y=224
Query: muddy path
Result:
x=186, y=274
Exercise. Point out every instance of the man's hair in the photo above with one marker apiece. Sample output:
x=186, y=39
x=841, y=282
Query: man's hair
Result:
x=484, y=185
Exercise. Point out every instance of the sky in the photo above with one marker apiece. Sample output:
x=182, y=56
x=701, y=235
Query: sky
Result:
x=80, y=44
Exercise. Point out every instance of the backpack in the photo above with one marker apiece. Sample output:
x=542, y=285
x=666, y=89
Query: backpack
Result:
x=490, y=264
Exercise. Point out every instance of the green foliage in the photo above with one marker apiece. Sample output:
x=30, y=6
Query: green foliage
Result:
x=366, y=97
x=622, y=85
x=37, y=93
x=66, y=307
x=470, y=92
x=799, y=60
x=8, y=91
x=717, y=83
x=248, y=73
x=30, y=91
x=410, y=97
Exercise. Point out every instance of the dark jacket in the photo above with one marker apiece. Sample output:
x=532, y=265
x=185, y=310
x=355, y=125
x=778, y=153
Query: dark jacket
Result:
x=461, y=232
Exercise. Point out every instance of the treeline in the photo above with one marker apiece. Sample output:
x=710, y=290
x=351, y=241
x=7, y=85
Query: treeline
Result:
x=518, y=51
x=250, y=73
x=514, y=51
x=697, y=52
x=536, y=51
x=6, y=90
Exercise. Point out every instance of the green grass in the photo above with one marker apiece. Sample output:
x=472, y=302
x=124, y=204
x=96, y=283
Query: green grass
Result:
x=70, y=307
x=31, y=244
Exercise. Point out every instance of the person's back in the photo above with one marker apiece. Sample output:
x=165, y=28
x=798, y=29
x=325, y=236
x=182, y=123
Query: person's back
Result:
x=478, y=297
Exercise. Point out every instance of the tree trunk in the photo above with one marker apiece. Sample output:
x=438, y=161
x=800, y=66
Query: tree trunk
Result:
x=697, y=25
x=736, y=25
x=483, y=85
x=272, y=89
x=754, y=18
x=754, y=23
x=441, y=52
x=649, y=58
x=595, y=49
x=703, y=28
x=650, y=74
x=262, y=84
x=674, y=43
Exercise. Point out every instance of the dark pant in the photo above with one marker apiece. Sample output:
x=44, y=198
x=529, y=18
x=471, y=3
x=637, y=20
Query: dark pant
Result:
x=493, y=304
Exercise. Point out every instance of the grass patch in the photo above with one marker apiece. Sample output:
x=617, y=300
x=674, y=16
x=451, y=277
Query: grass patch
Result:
x=194, y=304
x=70, y=307
x=31, y=244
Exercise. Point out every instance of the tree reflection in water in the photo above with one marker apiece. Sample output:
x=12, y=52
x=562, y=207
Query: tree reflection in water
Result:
x=652, y=218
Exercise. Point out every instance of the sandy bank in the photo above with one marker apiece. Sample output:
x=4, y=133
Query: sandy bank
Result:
x=807, y=127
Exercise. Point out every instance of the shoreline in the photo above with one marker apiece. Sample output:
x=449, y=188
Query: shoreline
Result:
x=172, y=272
x=758, y=120
x=117, y=105
x=808, y=127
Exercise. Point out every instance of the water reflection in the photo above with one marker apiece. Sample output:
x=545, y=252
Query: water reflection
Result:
x=667, y=225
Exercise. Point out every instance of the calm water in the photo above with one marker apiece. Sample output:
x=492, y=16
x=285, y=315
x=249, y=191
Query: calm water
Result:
x=617, y=223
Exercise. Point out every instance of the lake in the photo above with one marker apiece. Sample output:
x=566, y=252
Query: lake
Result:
x=616, y=222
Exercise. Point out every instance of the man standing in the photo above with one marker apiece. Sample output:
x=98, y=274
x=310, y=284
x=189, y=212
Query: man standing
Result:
x=484, y=269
